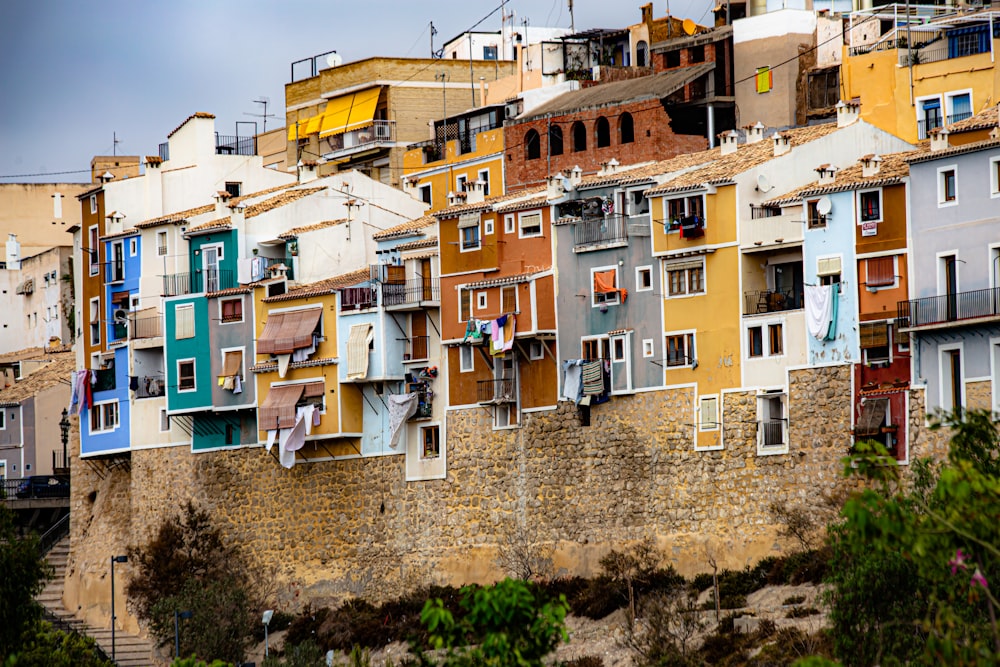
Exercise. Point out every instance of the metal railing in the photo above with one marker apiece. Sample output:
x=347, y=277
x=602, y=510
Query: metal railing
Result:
x=597, y=231
x=119, y=332
x=151, y=386
x=200, y=280
x=230, y=145
x=56, y=532
x=145, y=327
x=380, y=131
x=104, y=379
x=770, y=301
x=495, y=391
x=771, y=432
x=114, y=271
x=412, y=291
x=310, y=67
x=44, y=486
x=949, y=308
x=764, y=212
x=884, y=45
x=274, y=261
x=417, y=347
x=358, y=298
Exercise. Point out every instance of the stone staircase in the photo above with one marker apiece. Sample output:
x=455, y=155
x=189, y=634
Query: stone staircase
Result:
x=130, y=651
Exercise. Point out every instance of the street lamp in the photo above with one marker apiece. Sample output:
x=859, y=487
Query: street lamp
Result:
x=267, y=619
x=114, y=559
x=177, y=630
x=64, y=428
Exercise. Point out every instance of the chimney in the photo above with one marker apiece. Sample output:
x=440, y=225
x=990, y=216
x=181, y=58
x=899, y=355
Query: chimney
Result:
x=870, y=165
x=115, y=225
x=609, y=167
x=755, y=132
x=827, y=174
x=13, y=253
x=236, y=216
x=456, y=198
x=647, y=12
x=575, y=175
x=939, y=139
x=482, y=91
x=410, y=187
x=782, y=144
x=554, y=186
x=728, y=141
x=153, y=162
x=222, y=203
x=307, y=171
x=475, y=192
x=847, y=112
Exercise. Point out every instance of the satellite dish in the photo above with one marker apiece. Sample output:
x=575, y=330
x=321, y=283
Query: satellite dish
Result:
x=824, y=206
x=334, y=60
x=689, y=26
x=120, y=315
x=567, y=185
x=763, y=185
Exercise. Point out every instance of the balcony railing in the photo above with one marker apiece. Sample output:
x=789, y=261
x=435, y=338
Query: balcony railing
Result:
x=495, y=391
x=145, y=327
x=119, y=332
x=770, y=301
x=949, y=308
x=416, y=348
x=600, y=231
x=200, y=280
x=104, y=379
x=151, y=386
x=358, y=298
x=943, y=49
x=114, y=272
x=765, y=231
x=379, y=132
x=411, y=292
x=228, y=145
x=274, y=261
x=772, y=432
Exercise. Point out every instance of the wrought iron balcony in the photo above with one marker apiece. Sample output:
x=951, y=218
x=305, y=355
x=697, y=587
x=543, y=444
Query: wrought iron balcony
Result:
x=600, y=231
x=770, y=301
x=958, y=308
x=496, y=391
x=199, y=280
x=379, y=133
x=413, y=292
x=228, y=145
x=771, y=432
x=358, y=298
x=114, y=271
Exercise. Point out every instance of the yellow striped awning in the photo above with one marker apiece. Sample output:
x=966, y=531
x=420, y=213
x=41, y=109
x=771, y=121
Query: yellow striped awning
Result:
x=349, y=112
x=301, y=125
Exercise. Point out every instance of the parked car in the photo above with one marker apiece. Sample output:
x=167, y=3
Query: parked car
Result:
x=44, y=486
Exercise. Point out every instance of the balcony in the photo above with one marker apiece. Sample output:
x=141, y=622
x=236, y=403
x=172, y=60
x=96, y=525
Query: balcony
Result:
x=600, y=232
x=151, y=386
x=416, y=348
x=114, y=272
x=357, y=298
x=412, y=293
x=958, y=309
x=201, y=280
x=275, y=261
x=495, y=391
x=925, y=125
x=771, y=432
x=229, y=145
x=104, y=380
x=771, y=301
x=379, y=134
x=145, y=327
x=772, y=230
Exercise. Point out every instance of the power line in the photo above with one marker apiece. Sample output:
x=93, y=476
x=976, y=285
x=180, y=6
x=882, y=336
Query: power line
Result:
x=46, y=173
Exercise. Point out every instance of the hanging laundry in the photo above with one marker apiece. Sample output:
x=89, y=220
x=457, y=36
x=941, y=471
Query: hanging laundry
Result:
x=258, y=267
x=244, y=270
x=133, y=382
x=819, y=310
x=227, y=382
x=272, y=435
x=237, y=385
x=305, y=413
x=508, y=334
x=401, y=408
x=831, y=332
x=593, y=378
x=283, y=361
x=572, y=383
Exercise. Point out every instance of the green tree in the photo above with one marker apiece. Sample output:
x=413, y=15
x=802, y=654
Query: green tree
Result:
x=512, y=623
x=44, y=646
x=24, y=576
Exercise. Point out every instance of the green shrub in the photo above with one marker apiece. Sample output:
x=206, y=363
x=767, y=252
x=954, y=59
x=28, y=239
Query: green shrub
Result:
x=794, y=599
x=802, y=612
x=585, y=661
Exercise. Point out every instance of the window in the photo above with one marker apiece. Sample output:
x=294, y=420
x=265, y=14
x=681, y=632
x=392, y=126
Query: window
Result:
x=816, y=219
x=532, y=145
x=696, y=54
x=947, y=186
x=531, y=224
x=774, y=339
x=232, y=434
x=466, y=363
x=772, y=425
x=185, y=375
x=680, y=349
x=605, y=288
x=643, y=278
x=234, y=188
x=708, y=413
x=488, y=227
x=602, y=132
x=536, y=351
x=508, y=224
x=685, y=278
x=508, y=299
x=579, y=132
x=881, y=271
x=952, y=378
x=276, y=288
x=641, y=54
x=470, y=238
x=755, y=341
x=928, y=116
x=95, y=321
x=765, y=79
x=461, y=183
x=874, y=340
x=161, y=243
x=672, y=59
x=425, y=194
x=681, y=208
x=481, y=300
x=555, y=140
x=489, y=53
x=464, y=305
x=133, y=247
x=104, y=417
x=95, y=253
x=870, y=203
x=93, y=203
x=430, y=447
x=626, y=128
x=637, y=203
x=593, y=349
x=960, y=107
x=164, y=421
x=995, y=177
x=184, y=321
x=647, y=347
x=484, y=178
x=3, y=420
x=231, y=310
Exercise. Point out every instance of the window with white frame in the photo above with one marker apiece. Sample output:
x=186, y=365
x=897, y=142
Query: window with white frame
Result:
x=772, y=421
x=183, y=321
x=133, y=247
x=680, y=350
x=508, y=299
x=161, y=243
x=531, y=224
x=424, y=194
x=464, y=305
x=638, y=204
x=186, y=375
x=104, y=416
x=685, y=278
x=708, y=413
x=775, y=339
x=231, y=310
x=488, y=227
x=995, y=177
x=929, y=115
x=647, y=348
x=484, y=178
x=466, y=362
x=93, y=203
x=3, y=420
x=508, y=224
x=605, y=289
x=95, y=321
x=460, y=183
x=94, y=251
x=947, y=185
x=995, y=372
x=951, y=377
x=595, y=347
x=643, y=278
x=828, y=271
x=875, y=340
x=481, y=300
x=679, y=208
x=536, y=350
x=870, y=205
x=430, y=442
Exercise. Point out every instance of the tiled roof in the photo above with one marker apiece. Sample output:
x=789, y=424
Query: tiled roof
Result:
x=22, y=355
x=242, y=289
x=218, y=223
x=746, y=156
x=197, y=114
x=277, y=201
x=893, y=167
x=58, y=371
x=406, y=228
x=506, y=280
x=649, y=171
x=926, y=156
x=179, y=216
x=120, y=235
x=154, y=159
x=295, y=231
x=521, y=204
x=429, y=242
x=325, y=286
x=984, y=120
x=487, y=204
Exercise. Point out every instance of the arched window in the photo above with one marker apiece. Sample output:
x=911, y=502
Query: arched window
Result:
x=532, y=148
x=641, y=54
x=555, y=140
x=626, y=130
x=603, y=131
x=579, y=137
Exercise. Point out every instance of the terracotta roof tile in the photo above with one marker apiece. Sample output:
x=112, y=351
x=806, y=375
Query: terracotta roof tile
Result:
x=56, y=372
x=649, y=171
x=325, y=286
x=295, y=231
x=893, y=167
x=405, y=229
x=218, y=223
x=120, y=235
x=154, y=159
x=984, y=120
x=283, y=199
x=488, y=204
x=179, y=216
x=505, y=280
x=197, y=114
x=429, y=242
x=521, y=204
x=926, y=156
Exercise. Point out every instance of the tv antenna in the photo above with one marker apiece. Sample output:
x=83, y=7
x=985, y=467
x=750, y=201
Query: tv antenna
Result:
x=263, y=99
x=114, y=143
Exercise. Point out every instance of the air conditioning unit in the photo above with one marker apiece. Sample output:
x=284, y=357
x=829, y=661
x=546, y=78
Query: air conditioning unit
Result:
x=120, y=316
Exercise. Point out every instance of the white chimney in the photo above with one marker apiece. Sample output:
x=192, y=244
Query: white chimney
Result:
x=870, y=165
x=222, y=203
x=456, y=198
x=755, y=132
x=728, y=141
x=307, y=171
x=236, y=216
x=847, y=112
x=576, y=175
x=410, y=187
x=782, y=144
x=939, y=139
x=475, y=191
x=554, y=186
x=827, y=174
x=13, y=253
x=609, y=167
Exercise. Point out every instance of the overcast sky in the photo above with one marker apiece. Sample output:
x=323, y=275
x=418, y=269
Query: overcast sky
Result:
x=75, y=74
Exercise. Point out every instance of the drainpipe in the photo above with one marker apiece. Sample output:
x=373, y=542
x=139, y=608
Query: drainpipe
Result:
x=909, y=50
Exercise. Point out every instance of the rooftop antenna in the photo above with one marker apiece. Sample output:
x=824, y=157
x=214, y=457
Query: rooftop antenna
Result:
x=114, y=143
x=263, y=99
x=572, y=23
x=433, y=32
